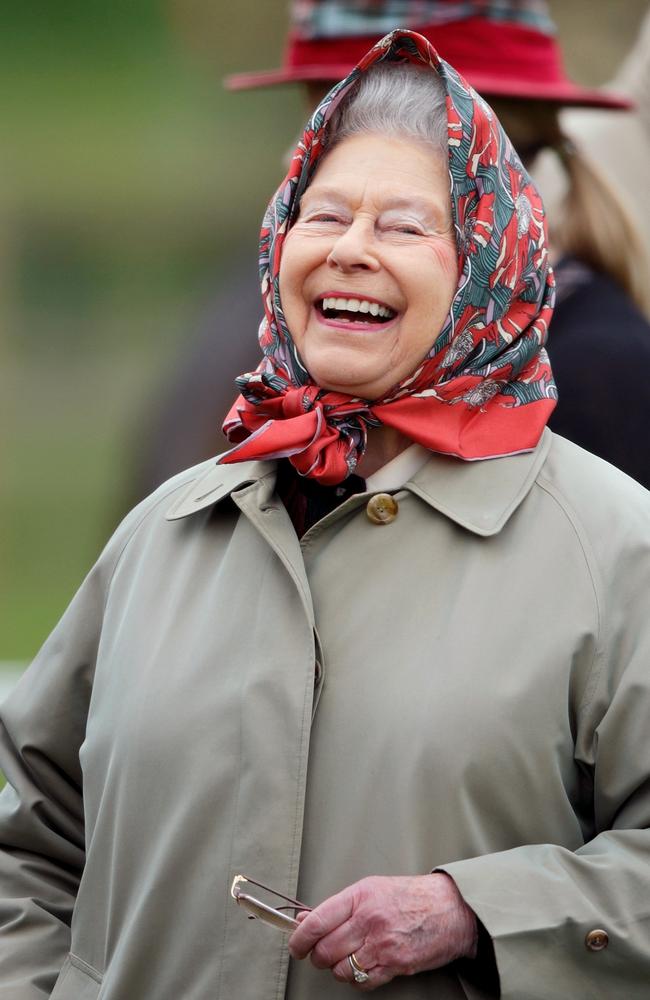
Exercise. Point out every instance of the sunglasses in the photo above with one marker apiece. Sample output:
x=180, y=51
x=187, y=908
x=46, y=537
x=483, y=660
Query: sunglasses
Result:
x=258, y=910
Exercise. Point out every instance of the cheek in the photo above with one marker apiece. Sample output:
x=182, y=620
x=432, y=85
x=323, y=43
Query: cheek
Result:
x=293, y=273
x=436, y=276
x=294, y=269
x=289, y=285
x=449, y=264
x=443, y=259
x=287, y=273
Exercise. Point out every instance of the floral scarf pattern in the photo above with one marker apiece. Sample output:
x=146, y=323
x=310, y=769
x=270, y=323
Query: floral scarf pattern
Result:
x=485, y=389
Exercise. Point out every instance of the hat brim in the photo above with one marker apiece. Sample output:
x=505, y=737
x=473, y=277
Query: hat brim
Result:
x=487, y=85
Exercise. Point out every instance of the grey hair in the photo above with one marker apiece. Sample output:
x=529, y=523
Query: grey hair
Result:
x=403, y=101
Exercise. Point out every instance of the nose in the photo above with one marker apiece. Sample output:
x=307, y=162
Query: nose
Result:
x=354, y=250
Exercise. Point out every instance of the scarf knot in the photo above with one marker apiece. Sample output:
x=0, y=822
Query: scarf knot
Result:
x=321, y=441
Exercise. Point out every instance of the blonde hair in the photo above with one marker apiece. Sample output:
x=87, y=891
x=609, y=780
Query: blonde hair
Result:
x=595, y=226
x=592, y=221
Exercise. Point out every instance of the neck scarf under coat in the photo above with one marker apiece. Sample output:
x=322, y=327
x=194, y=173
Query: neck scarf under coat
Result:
x=485, y=388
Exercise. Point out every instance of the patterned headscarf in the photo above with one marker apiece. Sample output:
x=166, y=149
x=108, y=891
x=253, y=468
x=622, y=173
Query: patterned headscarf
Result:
x=485, y=388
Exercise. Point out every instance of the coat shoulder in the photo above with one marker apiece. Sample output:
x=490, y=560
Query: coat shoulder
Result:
x=151, y=511
x=608, y=508
x=155, y=502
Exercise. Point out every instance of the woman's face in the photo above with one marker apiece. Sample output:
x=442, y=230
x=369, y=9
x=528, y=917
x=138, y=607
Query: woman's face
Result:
x=370, y=266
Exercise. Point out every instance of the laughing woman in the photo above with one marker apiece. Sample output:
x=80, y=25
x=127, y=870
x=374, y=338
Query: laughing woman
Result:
x=389, y=653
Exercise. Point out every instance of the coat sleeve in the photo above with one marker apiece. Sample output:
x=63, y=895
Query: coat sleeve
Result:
x=540, y=903
x=42, y=727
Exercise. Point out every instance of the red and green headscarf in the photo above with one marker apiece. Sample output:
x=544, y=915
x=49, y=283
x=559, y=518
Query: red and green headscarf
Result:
x=485, y=388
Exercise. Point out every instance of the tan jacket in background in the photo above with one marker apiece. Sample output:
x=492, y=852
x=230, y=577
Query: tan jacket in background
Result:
x=483, y=704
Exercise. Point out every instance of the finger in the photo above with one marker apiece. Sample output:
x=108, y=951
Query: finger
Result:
x=321, y=921
x=350, y=936
x=343, y=972
x=335, y=947
x=365, y=956
x=378, y=976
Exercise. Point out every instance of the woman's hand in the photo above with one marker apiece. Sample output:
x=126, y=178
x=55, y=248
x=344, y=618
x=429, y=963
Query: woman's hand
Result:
x=396, y=926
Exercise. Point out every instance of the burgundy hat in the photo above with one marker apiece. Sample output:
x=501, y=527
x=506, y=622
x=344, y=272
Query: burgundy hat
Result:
x=504, y=48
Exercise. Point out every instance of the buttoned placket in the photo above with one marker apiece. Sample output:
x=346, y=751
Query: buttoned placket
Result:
x=271, y=521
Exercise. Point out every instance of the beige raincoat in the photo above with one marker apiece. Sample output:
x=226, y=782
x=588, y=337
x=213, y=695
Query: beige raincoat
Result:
x=466, y=687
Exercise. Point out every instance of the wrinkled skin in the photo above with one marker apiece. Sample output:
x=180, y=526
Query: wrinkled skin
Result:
x=375, y=222
x=396, y=926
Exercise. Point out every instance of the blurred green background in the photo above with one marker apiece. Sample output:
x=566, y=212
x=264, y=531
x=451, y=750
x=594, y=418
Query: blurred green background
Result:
x=128, y=177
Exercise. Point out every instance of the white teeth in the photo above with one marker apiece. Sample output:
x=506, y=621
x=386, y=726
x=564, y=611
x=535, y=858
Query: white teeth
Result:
x=358, y=305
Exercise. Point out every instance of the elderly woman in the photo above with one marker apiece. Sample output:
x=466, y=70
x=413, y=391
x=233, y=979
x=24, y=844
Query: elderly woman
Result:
x=389, y=654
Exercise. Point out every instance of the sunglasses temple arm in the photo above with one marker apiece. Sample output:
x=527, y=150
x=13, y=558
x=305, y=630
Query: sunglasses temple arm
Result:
x=289, y=899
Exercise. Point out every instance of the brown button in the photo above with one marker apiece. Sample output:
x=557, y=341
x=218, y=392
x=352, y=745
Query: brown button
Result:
x=382, y=508
x=597, y=939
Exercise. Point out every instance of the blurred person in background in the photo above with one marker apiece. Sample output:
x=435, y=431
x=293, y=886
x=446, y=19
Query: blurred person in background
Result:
x=509, y=52
x=620, y=144
x=388, y=653
x=602, y=273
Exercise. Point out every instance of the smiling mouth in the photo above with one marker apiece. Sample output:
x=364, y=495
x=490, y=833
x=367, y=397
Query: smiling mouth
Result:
x=353, y=310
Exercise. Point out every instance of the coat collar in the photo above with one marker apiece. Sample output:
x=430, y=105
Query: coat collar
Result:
x=218, y=482
x=479, y=496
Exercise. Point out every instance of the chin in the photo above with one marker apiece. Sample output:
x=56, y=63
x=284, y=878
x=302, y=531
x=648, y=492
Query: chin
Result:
x=362, y=390
x=347, y=378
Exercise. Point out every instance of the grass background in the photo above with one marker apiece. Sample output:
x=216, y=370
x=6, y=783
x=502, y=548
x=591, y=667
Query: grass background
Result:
x=128, y=178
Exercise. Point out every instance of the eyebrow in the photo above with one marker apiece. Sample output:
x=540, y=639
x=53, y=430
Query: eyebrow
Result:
x=334, y=197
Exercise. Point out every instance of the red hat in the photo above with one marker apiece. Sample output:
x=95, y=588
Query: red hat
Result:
x=504, y=48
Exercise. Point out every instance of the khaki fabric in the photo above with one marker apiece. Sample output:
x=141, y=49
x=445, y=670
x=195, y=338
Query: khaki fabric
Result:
x=467, y=687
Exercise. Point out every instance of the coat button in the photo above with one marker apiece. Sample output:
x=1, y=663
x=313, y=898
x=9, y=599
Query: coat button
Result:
x=382, y=508
x=597, y=939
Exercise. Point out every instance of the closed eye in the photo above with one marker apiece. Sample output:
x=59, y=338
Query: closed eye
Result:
x=324, y=217
x=403, y=227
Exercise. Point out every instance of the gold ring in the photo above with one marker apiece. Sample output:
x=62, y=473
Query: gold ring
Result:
x=359, y=973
